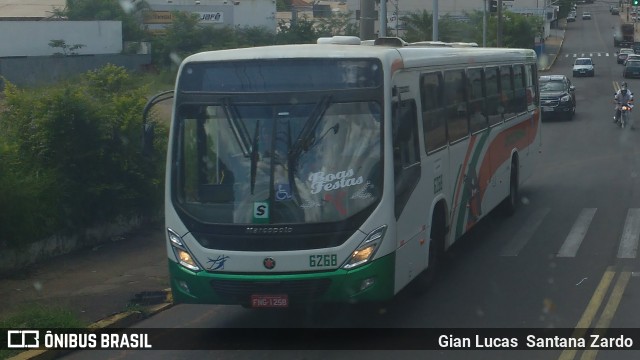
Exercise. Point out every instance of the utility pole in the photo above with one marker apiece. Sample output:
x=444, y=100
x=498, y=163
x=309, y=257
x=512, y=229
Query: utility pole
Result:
x=397, y=16
x=484, y=24
x=434, y=34
x=499, y=37
x=382, y=18
x=367, y=17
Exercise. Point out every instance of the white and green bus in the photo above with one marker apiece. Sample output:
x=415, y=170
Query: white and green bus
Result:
x=338, y=172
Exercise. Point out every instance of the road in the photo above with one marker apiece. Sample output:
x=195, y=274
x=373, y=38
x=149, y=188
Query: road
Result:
x=561, y=261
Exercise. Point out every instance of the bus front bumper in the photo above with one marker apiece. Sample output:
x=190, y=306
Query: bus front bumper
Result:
x=371, y=282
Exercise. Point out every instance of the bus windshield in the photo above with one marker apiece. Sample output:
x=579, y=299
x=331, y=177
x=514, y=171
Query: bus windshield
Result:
x=255, y=163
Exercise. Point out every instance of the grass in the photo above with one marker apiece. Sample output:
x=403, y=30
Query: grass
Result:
x=136, y=307
x=38, y=316
x=164, y=80
x=41, y=316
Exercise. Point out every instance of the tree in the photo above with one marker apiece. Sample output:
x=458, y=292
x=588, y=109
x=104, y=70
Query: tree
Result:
x=283, y=5
x=519, y=30
x=565, y=7
x=300, y=32
x=337, y=24
x=182, y=37
x=66, y=49
x=453, y=29
x=419, y=26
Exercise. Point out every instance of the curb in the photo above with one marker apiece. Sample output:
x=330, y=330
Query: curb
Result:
x=119, y=320
x=553, y=60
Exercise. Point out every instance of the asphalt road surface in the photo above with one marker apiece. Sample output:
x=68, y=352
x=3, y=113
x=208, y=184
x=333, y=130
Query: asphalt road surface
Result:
x=567, y=259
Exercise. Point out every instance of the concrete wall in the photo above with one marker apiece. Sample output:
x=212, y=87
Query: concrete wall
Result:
x=31, y=38
x=242, y=13
x=14, y=260
x=37, y=70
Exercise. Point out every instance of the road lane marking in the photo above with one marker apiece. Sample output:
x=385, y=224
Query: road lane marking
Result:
x=577, y=233
x=609, y=310
x=525, y=233
x=630, y=234
x=590, y=312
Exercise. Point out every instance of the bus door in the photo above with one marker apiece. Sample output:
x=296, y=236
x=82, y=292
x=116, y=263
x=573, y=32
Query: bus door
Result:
x=462, y=160
x=409, y=205
x=434, y=128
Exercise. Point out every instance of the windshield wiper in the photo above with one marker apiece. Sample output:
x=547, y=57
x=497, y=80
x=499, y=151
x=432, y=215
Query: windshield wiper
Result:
x=254, y=156
x=238, y=128
x=305, y=139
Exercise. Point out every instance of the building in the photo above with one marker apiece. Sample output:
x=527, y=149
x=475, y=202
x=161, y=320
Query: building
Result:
x=310, y=9
x=35, y=50
x=29, y=10
x=219, y=13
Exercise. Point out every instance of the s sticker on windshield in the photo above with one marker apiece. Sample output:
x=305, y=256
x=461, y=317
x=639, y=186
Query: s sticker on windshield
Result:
x=260, y=212
x=321, y=181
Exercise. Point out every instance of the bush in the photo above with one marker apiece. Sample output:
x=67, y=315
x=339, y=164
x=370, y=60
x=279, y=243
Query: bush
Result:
x=71, y=156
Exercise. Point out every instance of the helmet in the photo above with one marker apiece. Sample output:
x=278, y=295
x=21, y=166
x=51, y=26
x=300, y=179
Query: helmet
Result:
x=623, y=85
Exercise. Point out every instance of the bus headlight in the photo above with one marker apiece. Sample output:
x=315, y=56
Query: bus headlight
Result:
x=367, y=249
x=185, y=259
x=182, y=254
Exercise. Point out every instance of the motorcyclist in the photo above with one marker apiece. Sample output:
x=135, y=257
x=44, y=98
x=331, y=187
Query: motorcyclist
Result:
x=622, y=97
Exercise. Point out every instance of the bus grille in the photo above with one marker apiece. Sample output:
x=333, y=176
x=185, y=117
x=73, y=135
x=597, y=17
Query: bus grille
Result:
x=242, y=290
x=278, y=242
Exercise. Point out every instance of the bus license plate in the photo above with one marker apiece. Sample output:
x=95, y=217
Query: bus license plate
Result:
x=269, y=301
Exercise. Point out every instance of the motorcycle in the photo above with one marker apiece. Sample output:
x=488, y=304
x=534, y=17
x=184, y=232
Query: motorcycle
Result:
x=625, y=109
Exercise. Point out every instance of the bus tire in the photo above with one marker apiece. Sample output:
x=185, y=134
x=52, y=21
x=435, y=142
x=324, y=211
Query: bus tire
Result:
x=436, y=246
x=510, y=203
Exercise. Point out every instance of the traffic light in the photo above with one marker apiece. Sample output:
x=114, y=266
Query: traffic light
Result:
x=493, y=7
x=635, y=2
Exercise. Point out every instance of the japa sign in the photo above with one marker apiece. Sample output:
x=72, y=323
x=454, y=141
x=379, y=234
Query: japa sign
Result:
x=211, y=17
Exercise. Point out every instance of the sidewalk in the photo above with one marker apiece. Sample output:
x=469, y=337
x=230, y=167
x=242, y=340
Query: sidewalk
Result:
x=553, y=46
x=94, y=283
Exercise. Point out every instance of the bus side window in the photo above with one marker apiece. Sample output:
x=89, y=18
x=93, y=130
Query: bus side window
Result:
x=406, y=152
x=433, y=119
x=520, y=100
x=477, y=117
x=457, y=112
x=532, y=86
x=506, y=91
x=492, y=87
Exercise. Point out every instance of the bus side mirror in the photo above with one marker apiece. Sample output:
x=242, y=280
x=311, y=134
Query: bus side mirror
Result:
x=148, y=128
x=148, y=135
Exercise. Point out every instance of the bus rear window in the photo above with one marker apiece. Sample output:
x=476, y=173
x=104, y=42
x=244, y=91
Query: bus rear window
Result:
x=266, y=75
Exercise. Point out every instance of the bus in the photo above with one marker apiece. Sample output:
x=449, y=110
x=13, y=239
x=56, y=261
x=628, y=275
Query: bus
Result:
x=336, y=171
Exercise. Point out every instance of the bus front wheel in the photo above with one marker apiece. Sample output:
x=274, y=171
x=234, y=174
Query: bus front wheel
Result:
x=510, y=203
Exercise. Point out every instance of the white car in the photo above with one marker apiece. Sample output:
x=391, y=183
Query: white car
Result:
x=583, y=67
x=634, y=57
x=586, y=15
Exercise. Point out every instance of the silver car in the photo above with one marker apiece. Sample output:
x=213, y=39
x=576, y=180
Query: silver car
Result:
x=583, y=67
